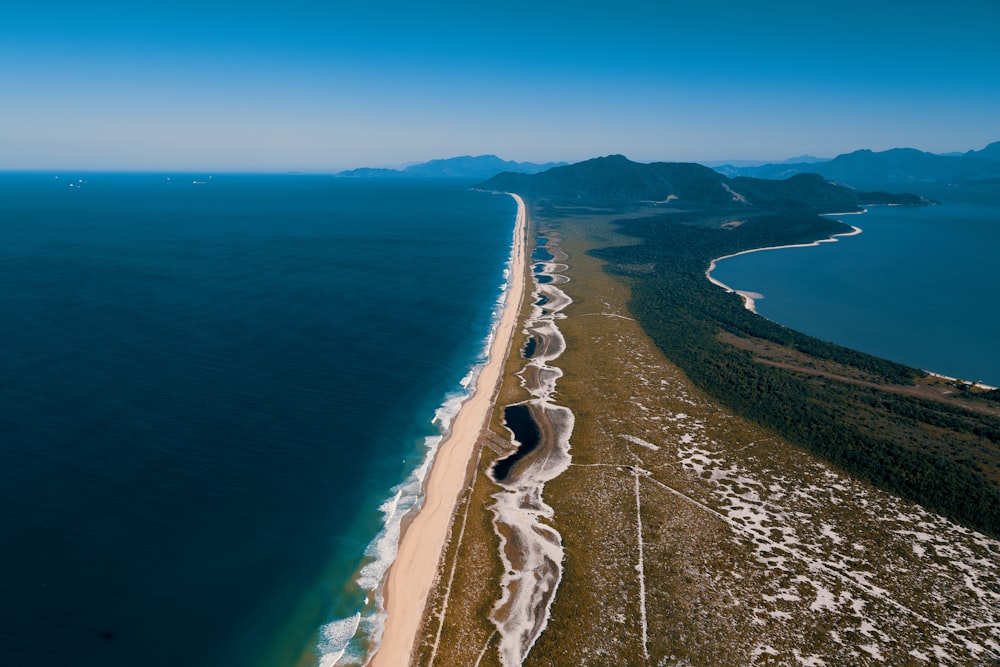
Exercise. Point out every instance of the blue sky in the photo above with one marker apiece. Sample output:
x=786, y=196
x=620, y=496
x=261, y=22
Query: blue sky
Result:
x=319, y=87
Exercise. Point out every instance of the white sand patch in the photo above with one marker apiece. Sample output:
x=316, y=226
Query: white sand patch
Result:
x=642, y=443
x=825, y=599
x=737, y=197
x=873, y=651
x=826, y=530
x=521, y=517
x=640, y=570
x=808, y=660
x=760, y=650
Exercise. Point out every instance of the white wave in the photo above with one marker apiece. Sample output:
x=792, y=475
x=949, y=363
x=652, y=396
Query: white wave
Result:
x=335, y=637
x=406, y=497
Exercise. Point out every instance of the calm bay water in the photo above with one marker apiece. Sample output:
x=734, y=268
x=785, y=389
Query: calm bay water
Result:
x=917, y=286
x=208, y=389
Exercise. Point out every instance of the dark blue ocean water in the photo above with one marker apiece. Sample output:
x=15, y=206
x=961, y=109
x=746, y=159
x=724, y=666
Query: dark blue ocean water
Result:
x=918, y=286
x=206, y=392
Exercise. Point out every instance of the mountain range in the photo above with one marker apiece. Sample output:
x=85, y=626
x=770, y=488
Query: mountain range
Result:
x=892, y=168
x=616, y=181
x=465, y=166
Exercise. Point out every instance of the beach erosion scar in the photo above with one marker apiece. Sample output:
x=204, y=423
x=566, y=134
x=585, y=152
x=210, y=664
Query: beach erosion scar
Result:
x=411, y=576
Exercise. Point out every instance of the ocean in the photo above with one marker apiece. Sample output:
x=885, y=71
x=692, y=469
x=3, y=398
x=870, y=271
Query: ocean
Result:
x=917, y=286
x=215, y=394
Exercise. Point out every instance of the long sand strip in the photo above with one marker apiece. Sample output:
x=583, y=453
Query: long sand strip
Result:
x=411, y=576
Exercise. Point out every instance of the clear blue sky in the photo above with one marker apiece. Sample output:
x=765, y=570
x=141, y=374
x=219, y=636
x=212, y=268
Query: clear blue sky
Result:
x=262, y=86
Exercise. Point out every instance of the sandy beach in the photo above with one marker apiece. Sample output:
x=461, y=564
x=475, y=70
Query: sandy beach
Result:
x=749, y=298
x=411, y=576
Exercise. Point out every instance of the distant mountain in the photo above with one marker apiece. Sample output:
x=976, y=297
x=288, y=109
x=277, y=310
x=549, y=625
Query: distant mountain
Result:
x=897, y=167
x=466, y=166
x=617, y=181
x=615, y=178
x=733, y=167
x=991, y=152
x=805, y=159
x=371, y=172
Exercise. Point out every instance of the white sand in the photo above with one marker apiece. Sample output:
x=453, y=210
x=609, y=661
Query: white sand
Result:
x=749, y=298
x=411, y=576
x=522, y=519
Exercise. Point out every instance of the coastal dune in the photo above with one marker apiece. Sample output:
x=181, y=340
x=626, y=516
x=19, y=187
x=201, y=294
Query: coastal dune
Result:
x=412, y=575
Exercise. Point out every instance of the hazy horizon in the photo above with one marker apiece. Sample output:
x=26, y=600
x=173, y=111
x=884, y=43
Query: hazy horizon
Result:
x=400, y=166
x=319, y=88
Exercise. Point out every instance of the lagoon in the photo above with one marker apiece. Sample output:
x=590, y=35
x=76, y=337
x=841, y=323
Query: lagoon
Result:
x=917, y=286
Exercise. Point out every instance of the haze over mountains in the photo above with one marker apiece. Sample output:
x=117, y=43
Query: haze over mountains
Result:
x=465, y=166
x=897, y=166
x=897, y=169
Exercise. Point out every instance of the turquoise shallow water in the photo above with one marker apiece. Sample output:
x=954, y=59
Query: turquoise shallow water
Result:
x=207, y=391
x=918, y=286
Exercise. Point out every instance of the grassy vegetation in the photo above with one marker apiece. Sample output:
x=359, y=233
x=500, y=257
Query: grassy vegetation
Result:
x=755, y=553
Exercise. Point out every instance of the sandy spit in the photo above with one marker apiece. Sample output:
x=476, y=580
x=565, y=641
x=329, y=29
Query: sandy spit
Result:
x=410, y=578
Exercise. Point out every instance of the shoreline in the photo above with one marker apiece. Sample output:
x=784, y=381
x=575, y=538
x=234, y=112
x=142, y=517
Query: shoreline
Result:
x=749, y=297
x=671, y=497
x=977, y=385
x=411, y=576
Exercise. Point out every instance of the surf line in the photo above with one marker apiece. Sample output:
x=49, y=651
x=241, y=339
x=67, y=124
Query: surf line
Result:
x=412, y=574
x=542, y=430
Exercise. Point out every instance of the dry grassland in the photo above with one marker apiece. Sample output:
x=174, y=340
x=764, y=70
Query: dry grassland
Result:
x=693, y=537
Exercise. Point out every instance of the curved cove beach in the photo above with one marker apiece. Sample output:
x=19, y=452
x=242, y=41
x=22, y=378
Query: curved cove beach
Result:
x=909, y=288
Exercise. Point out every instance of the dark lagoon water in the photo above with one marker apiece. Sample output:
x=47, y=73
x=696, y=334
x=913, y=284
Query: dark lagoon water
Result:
x=214, y=393
x=918, y=286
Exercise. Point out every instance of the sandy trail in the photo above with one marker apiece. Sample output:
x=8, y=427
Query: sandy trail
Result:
x=411, y=576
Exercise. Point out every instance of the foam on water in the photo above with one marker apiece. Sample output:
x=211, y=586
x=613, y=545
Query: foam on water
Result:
x=230, y=329
x=366, y=632
x=335, y=637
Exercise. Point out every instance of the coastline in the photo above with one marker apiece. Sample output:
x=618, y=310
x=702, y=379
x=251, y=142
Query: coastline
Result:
x=411, y=576
x=977, y=385
x=749, y=297
x=680, y=521
x=666, y=518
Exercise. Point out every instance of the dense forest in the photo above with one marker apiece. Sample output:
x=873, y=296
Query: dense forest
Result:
x=940, y=455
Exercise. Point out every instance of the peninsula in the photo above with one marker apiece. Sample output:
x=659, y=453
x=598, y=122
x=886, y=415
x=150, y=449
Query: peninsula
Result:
x=712, y=488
